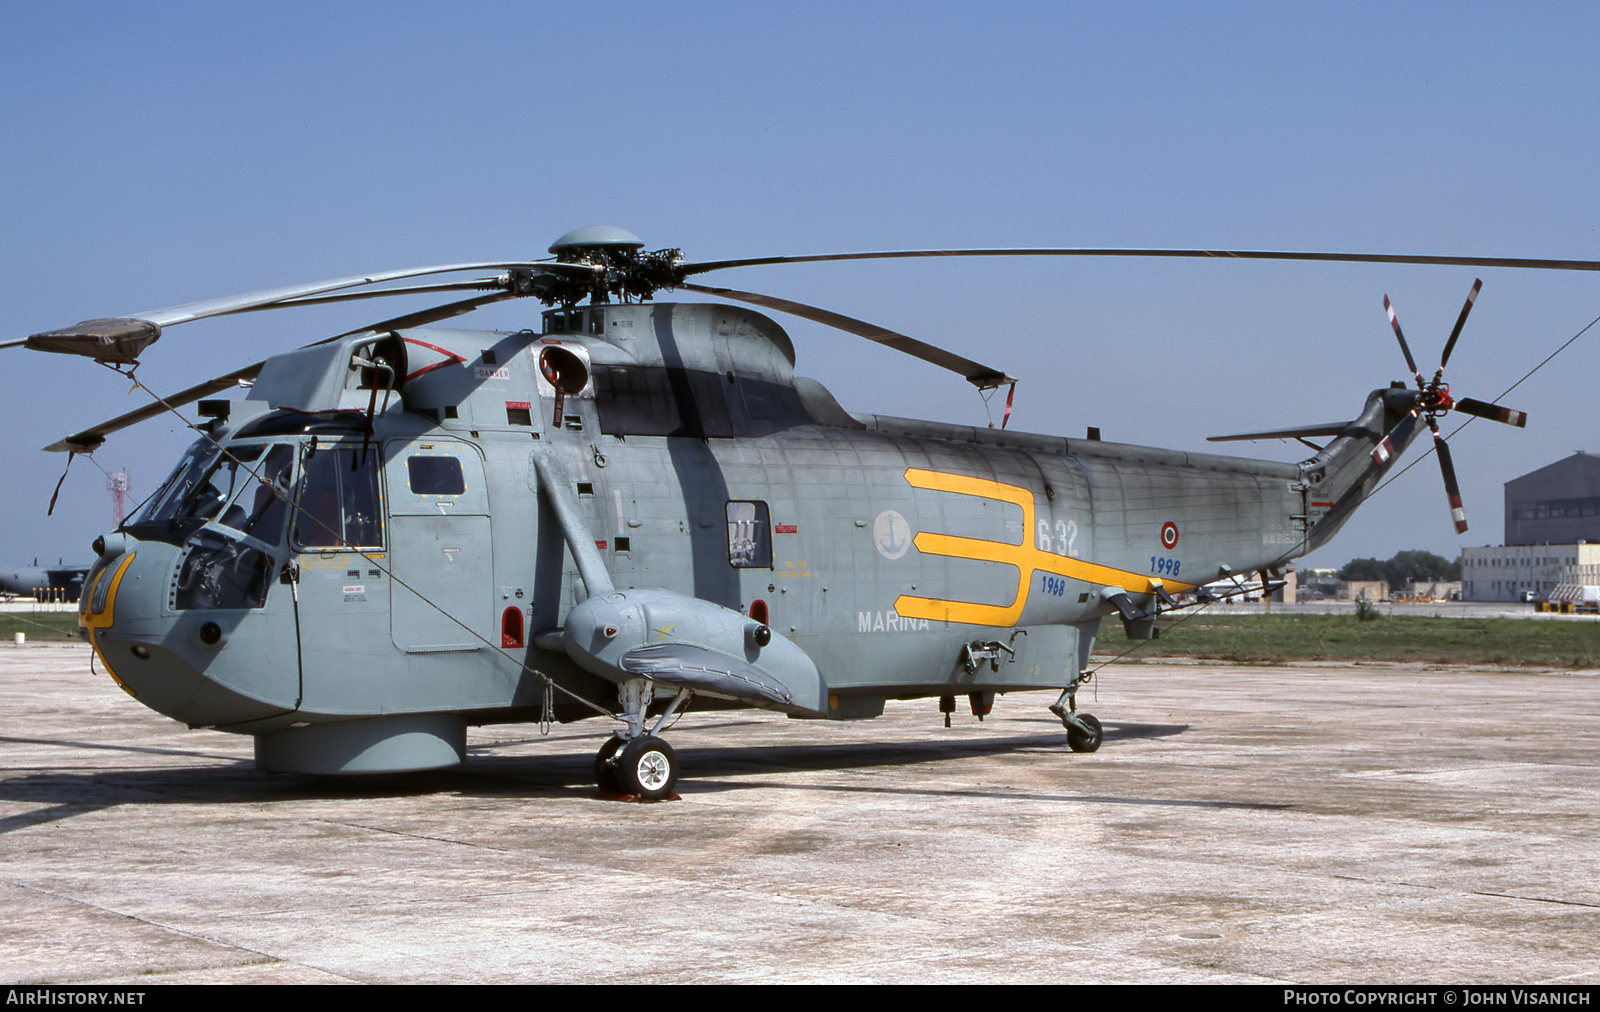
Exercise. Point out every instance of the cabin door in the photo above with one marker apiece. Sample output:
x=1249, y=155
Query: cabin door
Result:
x=442, y=597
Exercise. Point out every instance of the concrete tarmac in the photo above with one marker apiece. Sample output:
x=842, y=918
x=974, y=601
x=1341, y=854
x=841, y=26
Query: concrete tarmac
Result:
x=1318, y=824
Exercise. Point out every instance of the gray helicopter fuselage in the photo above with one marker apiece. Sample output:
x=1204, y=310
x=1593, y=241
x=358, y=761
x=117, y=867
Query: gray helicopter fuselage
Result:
x=395, y=559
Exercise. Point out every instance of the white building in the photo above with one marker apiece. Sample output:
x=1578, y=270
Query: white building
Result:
x=1503, y=572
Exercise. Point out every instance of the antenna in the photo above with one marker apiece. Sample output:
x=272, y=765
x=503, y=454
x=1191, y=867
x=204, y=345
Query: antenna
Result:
x=117, y=485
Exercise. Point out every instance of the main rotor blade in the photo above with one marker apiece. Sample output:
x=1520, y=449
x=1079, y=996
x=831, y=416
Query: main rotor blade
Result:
x=981, y=376
x=1362, y=258
x=91, y=439
x=1394, y=321
x=479, y=285
x=1447, y=468
x=423, y=317
x=1493, y=412
x=1461, y=321
x=298, y=294
x=121, y=339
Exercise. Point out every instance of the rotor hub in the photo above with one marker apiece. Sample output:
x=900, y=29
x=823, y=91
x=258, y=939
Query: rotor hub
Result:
x=1436, y=399
x=621, y=266
x=578, y=245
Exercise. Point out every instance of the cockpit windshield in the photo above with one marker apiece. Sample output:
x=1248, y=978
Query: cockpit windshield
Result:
x=163, y=505
x=220, y=485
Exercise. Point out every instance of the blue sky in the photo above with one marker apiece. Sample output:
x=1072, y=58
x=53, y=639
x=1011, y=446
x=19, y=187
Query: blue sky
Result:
x=160, y=153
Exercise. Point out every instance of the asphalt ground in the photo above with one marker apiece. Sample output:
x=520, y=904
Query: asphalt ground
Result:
x=1241, y=824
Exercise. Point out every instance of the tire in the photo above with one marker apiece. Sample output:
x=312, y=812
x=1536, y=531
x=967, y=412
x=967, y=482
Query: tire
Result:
x=605, y=772
x=647, y=767
x=1080, y=742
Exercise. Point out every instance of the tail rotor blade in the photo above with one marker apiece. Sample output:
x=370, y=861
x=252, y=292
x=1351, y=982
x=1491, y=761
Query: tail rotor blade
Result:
x=1493, y=412
x=1395, y=441
x=1461, y=321
x=1405, y=349
x=1447, y=468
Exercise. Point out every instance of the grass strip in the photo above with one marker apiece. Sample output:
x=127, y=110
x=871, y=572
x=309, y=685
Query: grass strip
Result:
x=44, y=625
x=1271, y=639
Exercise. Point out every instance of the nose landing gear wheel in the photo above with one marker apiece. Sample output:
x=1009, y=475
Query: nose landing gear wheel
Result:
x=647, y=767
x=1080, y=742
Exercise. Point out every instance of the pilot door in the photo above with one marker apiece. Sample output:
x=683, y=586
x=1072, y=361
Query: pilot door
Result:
x=341, y=602
x=442, y=594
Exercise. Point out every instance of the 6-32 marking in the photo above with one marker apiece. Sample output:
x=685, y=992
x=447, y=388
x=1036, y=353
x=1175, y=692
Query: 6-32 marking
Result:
x=1065, y=540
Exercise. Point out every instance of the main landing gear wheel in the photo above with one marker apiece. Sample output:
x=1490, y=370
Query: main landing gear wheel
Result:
x=1080, y=742
x=605, y=770
x=647, y=767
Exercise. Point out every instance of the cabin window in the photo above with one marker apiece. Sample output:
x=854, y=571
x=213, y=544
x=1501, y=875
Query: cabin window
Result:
x=339, y=505
x=435, y=475
x=749, y=535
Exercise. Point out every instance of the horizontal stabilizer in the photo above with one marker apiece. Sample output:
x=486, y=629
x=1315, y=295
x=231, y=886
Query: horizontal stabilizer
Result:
x=1303, y=432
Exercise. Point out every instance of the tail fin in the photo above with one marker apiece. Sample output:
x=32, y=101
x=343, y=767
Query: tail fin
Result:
x=1341, y=476
x=1343, y=473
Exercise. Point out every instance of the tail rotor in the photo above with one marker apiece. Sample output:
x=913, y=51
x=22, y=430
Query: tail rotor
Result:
x=1434, y=401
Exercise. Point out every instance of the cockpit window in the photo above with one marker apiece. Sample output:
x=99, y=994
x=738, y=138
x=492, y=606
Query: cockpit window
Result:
x=261, y=505
x=339, y=505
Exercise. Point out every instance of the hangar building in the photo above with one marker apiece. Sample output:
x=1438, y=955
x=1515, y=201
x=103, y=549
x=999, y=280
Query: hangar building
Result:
x=1552, y=535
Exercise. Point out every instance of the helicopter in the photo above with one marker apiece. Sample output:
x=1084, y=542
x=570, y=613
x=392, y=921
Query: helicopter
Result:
x=634, y=506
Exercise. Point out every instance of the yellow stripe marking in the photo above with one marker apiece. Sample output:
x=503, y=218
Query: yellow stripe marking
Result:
x=93, y=622
x=1025, y=557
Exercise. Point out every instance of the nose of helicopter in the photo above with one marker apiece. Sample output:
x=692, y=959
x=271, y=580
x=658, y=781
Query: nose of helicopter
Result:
x=187, y=664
